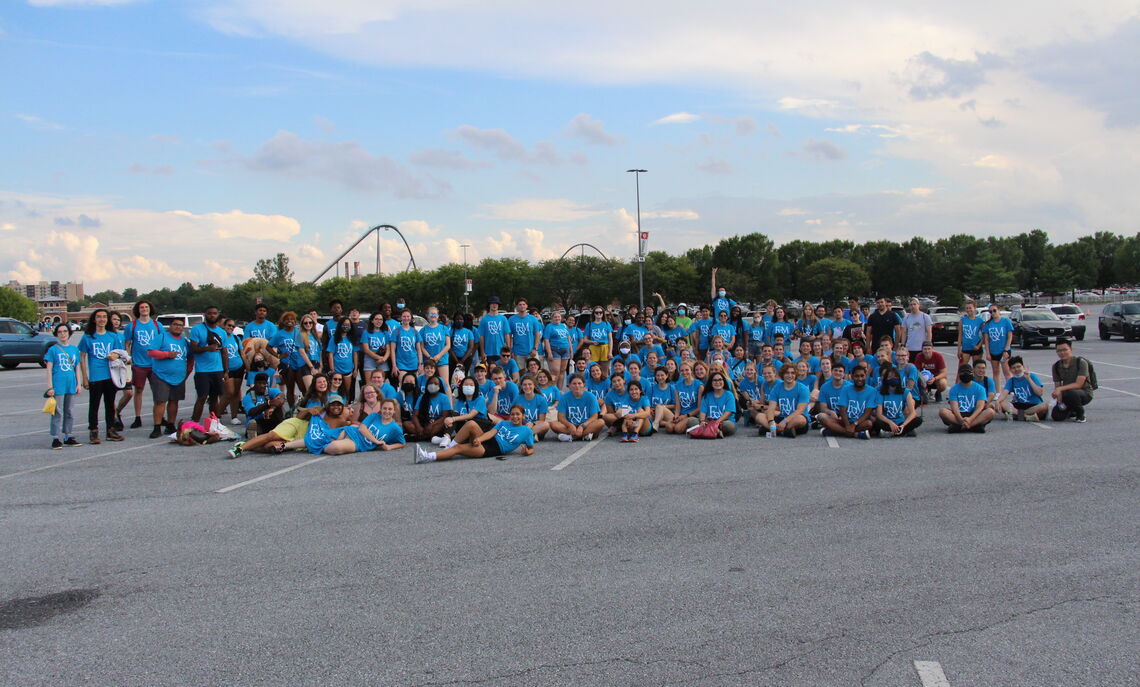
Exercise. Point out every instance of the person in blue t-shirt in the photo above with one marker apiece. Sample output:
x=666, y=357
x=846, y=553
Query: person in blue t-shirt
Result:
x=720, y=300
x=830, y=391
x=968, y=411
x=688, y=389
x=787, y=413
x=616, y=403
x=378, y=430
x=599, y=338
x=507, y=364
x=718, y=402
x=235, y=370
x=779, y=326
x=997, y=337
x=897, y=414
x=261, y=327
x=534, y=406
x=505, y=393
x=579, y=415
x=473, y=442
x=170, y=364
x=435, y=345
x=343, y=350
x=374, y=345
x=207, y=344
x=857, y=406
x=662, y=400
x=494, y=331
x=556, y=338
x=324, y=430
x=724, y=330
x=462, y=342
x=138, y=337
x=635, y=421
x=1023, y=394
x=263, y=405
x=970, y=334
x=404, y=346
x=96, y=350
x=62, y=363
x=908, y=373
x=526, y=334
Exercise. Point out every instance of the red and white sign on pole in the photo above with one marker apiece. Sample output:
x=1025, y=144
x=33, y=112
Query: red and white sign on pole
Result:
x=468, y=286
x=645, y=236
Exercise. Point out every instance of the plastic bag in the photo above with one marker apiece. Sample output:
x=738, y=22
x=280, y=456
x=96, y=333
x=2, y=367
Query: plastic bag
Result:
x=710, y=429
x=215, y=426
x=49, y=405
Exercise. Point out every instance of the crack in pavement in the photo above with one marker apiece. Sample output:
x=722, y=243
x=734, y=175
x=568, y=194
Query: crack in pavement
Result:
x=556, y=666
x=928, y=639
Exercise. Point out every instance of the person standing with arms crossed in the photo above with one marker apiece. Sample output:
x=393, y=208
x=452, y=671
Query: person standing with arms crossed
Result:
x=207, y=344
x=171, y=356
x=494, y=331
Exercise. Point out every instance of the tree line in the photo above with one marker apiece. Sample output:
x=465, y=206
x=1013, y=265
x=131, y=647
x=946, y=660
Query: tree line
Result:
x=751, y=267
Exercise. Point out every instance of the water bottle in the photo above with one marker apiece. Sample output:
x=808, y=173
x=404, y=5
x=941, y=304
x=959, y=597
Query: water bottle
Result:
x=772, y=431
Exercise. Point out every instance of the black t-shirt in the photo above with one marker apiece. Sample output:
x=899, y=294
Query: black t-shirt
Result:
x=882, y=324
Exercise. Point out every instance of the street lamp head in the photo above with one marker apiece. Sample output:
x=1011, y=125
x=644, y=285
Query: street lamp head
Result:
x=637, y=170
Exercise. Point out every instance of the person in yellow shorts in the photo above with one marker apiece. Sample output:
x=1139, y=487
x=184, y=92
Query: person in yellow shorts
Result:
x=599, y=337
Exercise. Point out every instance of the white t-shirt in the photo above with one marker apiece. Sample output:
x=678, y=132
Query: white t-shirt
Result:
x=915, y=326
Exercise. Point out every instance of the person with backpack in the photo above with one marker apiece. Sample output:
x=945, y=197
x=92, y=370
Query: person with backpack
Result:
x=1073, y=383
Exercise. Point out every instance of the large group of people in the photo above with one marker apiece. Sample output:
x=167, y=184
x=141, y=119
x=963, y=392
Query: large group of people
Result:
x=491, y=385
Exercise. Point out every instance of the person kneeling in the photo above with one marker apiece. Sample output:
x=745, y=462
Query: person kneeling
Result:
x=1026, y=391
x=473, y=442
x=968, y=409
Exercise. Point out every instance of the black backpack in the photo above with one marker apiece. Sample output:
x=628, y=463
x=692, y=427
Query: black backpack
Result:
x=1092, y=371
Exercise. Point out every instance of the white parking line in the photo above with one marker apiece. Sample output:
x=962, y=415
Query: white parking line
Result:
x=832, y=442
x=76, y=460
x=930, y=672
x=24, y=434
x=1118, y=390
x=255, y=480
x=1042, y=425
x=1101, y=362
x=40, y=410
x=578, y=454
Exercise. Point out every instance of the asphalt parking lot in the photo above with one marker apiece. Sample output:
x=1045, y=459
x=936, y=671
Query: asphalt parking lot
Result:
x=1008, y=558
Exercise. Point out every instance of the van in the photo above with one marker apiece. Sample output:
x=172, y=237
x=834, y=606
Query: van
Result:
x=190, y=320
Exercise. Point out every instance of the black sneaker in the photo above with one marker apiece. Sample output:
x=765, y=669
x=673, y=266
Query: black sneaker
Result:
x=168, y=428
x=56, y=444
x=118, y=426
x=979, y=429
x=137, y=423
x=1080, y=419
x=156, y=432
x=70, y=441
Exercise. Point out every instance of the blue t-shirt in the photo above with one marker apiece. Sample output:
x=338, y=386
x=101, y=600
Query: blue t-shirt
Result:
x=436, y=405
x=252, y=399
x=311, y=345
x=201, y=334
x=509, y=437
x=510, y=367
x=910, y=377
x=578, y=410
x=524, y=332
x=857, y=402
x=618, y=401
x=599, y=332
x=688, y=394
x=507, y=396
x=319, y=435
x=789, y=400
x=634, y=333
x=343, y=354
x=972, y=332
x=837, y=327
x=478, y=404
x=407, y=355
x=64, y=364
x=720, y=305
x=1017, y=386
x=376, y=342
x=142, y=337
x=775, y=328
x=894, y=407
x=461, y=341
x=535, y=408
x=671, y=335
x=486, y=391
x=391, y=433
x=715, y=407
x=661, y=397
x=287, y=344
x=702, y=329
x=558, y=335
x=598, y=388
x=233, y=348
x=98, y=347
x=967, y=396
x=752, y=389
x=264, y=330
x=812, y=361
x=493, y=331
x=434, y=339
x=727, y=332
x=996, y=331
x=829, y=395
x=552, y=394
x=172, y=370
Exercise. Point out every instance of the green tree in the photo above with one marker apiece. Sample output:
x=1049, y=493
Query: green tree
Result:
x=1126, y=263
x=107, y=296
x=988, y=276
x=951, y=296
x=17, y=305
x=1034, y=247
x=1079, y=257
x=1055, y=275
x=273, y=270
x=130, y=294
x=833, y=280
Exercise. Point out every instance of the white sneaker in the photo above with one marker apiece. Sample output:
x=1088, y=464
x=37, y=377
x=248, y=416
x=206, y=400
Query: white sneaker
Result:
x=438, y=441
x=423, y=456
x=588, y=437
x=450, y=444
x=235, y=421
x=565, y=437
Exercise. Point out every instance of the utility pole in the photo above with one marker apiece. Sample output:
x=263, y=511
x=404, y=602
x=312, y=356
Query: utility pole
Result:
x=466, y=290
x=640, y=241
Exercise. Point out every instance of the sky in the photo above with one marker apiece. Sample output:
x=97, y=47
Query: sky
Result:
x=151, y=142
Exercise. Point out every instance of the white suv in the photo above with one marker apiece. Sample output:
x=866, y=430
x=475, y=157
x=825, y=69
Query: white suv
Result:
x=1072, y=316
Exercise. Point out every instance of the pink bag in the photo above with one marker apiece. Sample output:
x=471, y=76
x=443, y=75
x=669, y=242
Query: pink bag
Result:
x=710, y=429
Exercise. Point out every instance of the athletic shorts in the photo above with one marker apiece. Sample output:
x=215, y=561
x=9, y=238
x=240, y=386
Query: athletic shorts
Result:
x=139, y=375
x=491, y=448
x=292, y=429
x=163, y=392
x=998, y=357
x=209, y=383
x=237, y=374
x=599, y=353
x=972, y=352
x=1022, y=405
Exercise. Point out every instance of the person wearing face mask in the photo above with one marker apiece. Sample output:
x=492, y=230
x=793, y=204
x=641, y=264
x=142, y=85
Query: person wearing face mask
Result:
x=470, y=406
x=896, y=414
x=473, y=442
x=968, y=411
x=720, y=300
x=1023, y=394
x=431, y=409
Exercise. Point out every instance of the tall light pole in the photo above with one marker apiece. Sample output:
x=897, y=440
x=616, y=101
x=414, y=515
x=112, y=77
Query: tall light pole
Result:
x=640, y=243
x=466, y=306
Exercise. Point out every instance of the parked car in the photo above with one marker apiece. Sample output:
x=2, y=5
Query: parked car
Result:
x=1038, y=326
x=945, y=328
x=19, y=343
x=1122, y=319
x=1071, y=314
x=944, y=310
x=189, y=320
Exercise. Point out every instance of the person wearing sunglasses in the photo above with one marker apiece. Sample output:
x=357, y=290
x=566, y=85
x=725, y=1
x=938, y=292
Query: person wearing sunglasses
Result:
x=599, y=337
x=435, y=344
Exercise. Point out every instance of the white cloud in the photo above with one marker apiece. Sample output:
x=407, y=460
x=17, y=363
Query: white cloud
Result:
x=157, y=170
x=789, y=212
x=38, y=123
x=669, y=214
x=446, y=159
x=678, y=118
x=992, y=161
x=715, y=166
x=540, y=210
x=591, y=130
x=507, y=147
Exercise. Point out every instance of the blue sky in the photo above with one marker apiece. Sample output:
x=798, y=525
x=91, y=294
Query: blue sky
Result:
x=148, y=143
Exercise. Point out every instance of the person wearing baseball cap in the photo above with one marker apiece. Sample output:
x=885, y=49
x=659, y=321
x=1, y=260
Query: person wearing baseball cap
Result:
x=324, y=428
x=494, y=332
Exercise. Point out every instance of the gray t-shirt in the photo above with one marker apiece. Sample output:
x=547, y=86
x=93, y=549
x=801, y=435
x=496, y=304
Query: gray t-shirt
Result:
x=1068, y=375
x=915, y=326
